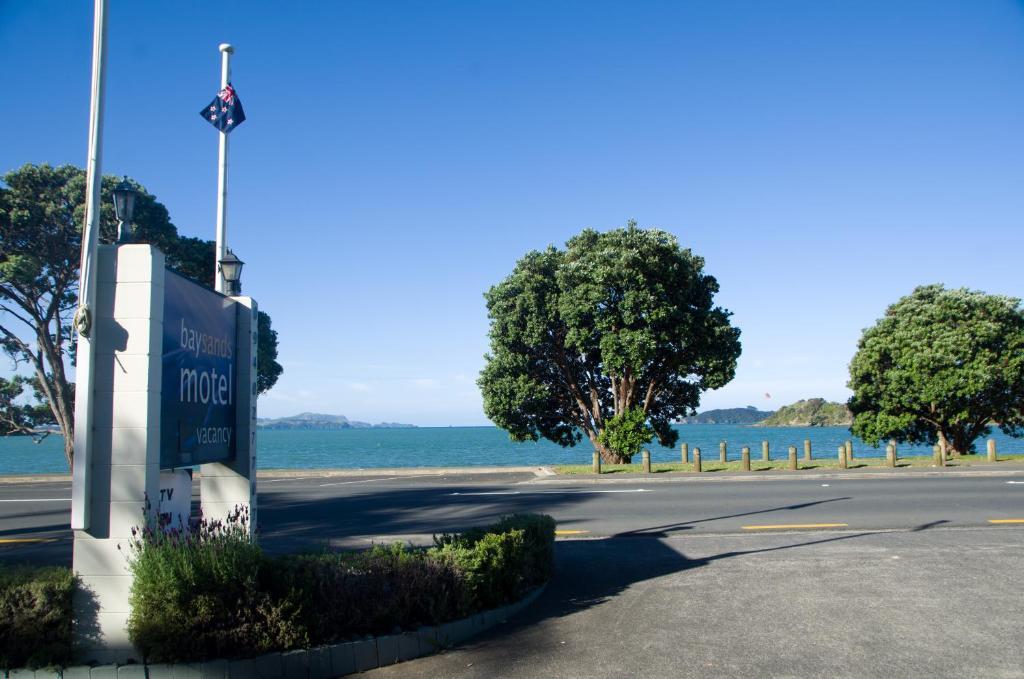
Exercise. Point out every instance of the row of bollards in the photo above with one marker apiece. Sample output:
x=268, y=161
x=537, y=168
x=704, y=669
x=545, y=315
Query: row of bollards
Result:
x=844, y=455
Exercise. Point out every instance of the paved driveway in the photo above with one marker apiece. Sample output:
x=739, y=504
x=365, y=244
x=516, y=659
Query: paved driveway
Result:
x=935, y=602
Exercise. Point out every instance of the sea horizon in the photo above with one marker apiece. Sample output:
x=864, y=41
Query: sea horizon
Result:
x=478, y=445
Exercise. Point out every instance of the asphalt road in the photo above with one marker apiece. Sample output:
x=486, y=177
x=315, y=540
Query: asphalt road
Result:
x=912, y=574
x=298, y=512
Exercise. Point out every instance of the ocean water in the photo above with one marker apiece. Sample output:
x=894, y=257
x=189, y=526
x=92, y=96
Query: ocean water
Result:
x=476, y=446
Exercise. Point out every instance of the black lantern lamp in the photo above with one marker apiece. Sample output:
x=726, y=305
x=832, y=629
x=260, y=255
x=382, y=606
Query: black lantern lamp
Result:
x=124, y=206
x=231, y=270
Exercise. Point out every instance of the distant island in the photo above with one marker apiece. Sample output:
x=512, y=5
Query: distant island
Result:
x=321, y=422
x=812, y=412
x=748, y=415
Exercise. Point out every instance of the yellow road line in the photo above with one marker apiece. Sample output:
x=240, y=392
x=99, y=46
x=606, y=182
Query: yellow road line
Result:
x=783, y=526
x=14, y=541
x=1006, y=520
x=571, y=532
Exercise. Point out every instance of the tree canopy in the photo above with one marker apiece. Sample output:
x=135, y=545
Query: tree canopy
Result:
x=17, y=417
x=42, y=210
x=617, y=322
x=942, y=365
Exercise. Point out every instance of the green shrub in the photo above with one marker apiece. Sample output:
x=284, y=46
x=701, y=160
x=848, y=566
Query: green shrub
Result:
x=627, y=432
x=213, y=593
x=346, y=595
x=502, y=562
x=35, y=616
x=197, y=595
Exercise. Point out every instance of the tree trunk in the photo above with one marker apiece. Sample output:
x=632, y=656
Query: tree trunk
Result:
x=610, y=456
x=57, y=391
x=958, y=441
x=607, y=454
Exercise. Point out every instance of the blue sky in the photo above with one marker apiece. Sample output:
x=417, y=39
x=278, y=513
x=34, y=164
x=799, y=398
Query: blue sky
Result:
x=399, y=157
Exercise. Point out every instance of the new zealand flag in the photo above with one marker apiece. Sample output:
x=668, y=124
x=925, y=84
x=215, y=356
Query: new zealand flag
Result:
x=225, y=111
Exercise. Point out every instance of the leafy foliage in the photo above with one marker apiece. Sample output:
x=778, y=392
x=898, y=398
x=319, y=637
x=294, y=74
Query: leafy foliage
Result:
x=345, y=595
x=941, y=365
x=627, y=433
x=266, y=355
x=21, y=418
x=502, y=562
x=214, y=593
x=35, y=616
x=201, y=589
x=617, y=321
x=42, y=210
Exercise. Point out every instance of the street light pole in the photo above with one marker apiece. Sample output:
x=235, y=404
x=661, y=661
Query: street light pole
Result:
x=226, y=51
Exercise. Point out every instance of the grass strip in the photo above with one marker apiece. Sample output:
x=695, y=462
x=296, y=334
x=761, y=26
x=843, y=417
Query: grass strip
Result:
x=708, y=466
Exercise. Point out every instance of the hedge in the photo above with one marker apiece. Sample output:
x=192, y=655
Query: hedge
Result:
x=35, y=616
x=212, y=593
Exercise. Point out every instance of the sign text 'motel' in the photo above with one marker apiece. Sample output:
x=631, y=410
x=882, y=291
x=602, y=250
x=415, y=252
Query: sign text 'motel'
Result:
x=197, y=409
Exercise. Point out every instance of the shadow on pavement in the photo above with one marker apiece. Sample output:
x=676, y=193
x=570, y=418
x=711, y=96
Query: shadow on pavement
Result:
x=292, y=521
x=590, y=572
x=664, y=530
x=31, y=530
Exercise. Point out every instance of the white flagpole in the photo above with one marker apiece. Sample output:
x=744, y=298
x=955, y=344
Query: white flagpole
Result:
x=86, y=316
x=226, y=51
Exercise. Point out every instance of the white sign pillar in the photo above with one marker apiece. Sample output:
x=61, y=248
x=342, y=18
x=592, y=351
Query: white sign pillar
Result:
x=227, y=486
x=125, y=452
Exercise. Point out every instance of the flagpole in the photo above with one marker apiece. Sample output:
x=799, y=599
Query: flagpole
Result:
x=85, y=318
x=226, y=51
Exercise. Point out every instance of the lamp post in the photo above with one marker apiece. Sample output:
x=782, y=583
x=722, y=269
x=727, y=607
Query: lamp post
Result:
x=124, y=206
x=231, y=270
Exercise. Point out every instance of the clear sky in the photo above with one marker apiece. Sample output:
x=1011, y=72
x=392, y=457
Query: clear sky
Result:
x=399, y=157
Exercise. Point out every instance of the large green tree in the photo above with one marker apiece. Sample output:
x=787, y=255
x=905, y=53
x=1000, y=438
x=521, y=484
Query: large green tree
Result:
x=42, y=210
x=616, y=323
x=17, y=416
x=942, y=365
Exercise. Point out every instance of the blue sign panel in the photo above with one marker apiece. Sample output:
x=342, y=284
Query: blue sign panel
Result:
x=197, y=409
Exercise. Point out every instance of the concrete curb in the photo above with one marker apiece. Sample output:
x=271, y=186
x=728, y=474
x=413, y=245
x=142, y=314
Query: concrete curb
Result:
x=322, y=662
x=403, y=471
x=540, y=471
x=37, y=478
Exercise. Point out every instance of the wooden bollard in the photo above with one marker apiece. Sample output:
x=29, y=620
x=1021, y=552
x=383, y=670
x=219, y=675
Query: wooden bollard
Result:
x=849, y=452
x=745, y=458
x=792, y=457
x=721, y=451
x=944, y=450
x=890, y=455
x=807, y=449
x=992, y=450
x=696, y=459
x=764, y=451
x=937, y=454
x=646, y=458
x=685, y=453
x=842, y=457
x=595, y=466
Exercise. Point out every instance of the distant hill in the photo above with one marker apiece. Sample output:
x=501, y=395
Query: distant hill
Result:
x=813, y=412
x=321, y=422
x=748, y=415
